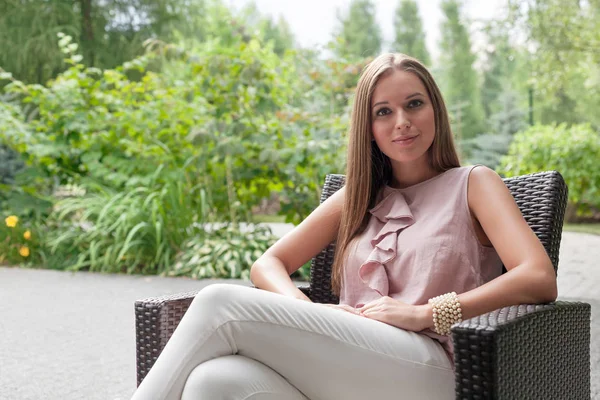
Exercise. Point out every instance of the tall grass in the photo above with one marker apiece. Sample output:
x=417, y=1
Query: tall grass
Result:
x=139, y=231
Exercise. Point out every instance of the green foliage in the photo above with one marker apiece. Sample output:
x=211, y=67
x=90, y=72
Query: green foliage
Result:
x=225, y=252
x=564, y=61
x=10, y=164
x=410, y=37
x=138, y=231
x=505, y=70
x=113, y=32
x=459, y=80
x=562, y=35
x=358, y=35
x=28, y=36
x=278, y=33
x=573, y=151
x=489, y=148
x=110, y=33
x=235, y=122
x=22, y=187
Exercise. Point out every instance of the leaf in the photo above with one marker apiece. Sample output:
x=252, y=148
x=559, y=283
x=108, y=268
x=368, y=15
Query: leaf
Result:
x=128, y=241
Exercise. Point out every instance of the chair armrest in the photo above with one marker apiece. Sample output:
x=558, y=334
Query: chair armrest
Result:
x=155, y=321
x=524, y=352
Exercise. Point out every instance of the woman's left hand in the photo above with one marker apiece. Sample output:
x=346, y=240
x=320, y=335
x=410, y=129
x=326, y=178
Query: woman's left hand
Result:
x=396, y=313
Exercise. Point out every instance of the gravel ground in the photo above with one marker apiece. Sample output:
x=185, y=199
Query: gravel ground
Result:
x=71, y=335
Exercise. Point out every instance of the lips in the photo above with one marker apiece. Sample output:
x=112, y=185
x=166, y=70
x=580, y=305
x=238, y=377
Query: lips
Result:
x=403, y=139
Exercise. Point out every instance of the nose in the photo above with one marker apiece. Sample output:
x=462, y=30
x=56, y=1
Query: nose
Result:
x=402, y=121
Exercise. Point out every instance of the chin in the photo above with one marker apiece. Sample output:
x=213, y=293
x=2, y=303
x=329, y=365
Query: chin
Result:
x=406, y=158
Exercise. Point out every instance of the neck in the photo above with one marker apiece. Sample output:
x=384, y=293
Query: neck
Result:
x=408, y=174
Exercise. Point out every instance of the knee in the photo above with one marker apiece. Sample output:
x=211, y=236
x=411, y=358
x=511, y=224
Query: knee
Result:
x=217, y=298
x=216, y=379
x=204, y=382
x=216, y=294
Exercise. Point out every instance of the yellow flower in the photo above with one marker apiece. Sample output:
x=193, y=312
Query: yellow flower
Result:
x=24, y=251
x=27, y=235
x=11, y=221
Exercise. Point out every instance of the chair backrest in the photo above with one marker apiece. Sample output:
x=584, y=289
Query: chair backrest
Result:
x=541, y=197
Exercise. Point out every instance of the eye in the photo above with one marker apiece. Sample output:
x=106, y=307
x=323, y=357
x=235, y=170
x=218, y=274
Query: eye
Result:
x=382, y=111
x=415, y=103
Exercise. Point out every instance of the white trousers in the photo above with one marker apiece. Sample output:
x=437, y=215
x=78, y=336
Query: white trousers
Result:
x=237, y=343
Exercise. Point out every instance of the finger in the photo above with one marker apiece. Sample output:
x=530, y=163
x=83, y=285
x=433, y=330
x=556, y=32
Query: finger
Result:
x=372, y=315
x=352, y=310
x=370, y=305
x=372, y=309
x=375, y=315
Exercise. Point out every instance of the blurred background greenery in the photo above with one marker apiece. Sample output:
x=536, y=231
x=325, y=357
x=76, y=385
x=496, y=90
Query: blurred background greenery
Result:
x=147, y=136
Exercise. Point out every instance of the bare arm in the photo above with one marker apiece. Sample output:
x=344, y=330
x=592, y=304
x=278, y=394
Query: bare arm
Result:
x=530, y=277
x=272, y=270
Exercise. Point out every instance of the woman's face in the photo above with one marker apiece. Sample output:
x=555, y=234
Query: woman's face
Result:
x=402, y=117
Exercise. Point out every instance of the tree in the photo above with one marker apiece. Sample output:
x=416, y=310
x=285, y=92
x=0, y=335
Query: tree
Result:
x=267, y=29
x=563, y=37
x=28, y=37
x=504, y=92
x=410, y=37
x=560, y=32
x=506, y=69
x=279, y=33
x=460, y=80
x=488, y=148
x=109, y=32
x=358, y=35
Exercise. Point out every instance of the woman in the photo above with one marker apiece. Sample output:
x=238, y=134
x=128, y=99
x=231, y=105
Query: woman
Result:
x=412, y=227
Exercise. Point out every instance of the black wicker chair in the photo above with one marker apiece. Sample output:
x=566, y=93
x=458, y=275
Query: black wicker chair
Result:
x=518, y=352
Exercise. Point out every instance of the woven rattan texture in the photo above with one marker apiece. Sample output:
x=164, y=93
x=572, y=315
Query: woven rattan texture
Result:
x=320, y=271
x=156, y=319
x=547, y=356
x=542, y=199
x=525, y=352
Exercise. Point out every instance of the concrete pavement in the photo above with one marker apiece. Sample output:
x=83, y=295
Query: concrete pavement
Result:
x=72, y=335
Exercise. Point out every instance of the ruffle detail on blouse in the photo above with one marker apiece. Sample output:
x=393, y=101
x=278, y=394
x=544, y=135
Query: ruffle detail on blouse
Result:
x=394, y=212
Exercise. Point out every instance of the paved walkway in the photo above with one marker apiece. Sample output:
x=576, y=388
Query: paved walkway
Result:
x=71, y=335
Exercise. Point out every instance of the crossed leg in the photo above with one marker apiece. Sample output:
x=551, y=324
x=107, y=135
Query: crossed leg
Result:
x=237, y=378
x=326, y=354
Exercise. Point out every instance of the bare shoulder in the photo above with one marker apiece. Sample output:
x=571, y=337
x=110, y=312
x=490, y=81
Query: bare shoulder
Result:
x=481, y=174
x=488, y=196
x=496, y=210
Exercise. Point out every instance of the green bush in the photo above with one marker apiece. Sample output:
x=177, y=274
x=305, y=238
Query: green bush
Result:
x=573, y=151
x=224, y=252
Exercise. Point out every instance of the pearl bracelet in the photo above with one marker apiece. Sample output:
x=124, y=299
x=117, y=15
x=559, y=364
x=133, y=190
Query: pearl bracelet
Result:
x=446, y=312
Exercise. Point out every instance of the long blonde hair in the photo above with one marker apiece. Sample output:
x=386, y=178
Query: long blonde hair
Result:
x=368, y=169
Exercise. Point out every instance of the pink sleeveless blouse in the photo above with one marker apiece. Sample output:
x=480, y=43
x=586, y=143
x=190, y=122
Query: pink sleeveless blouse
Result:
x=420, y=242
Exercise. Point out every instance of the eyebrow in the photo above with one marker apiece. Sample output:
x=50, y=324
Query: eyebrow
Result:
x=407, y=97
